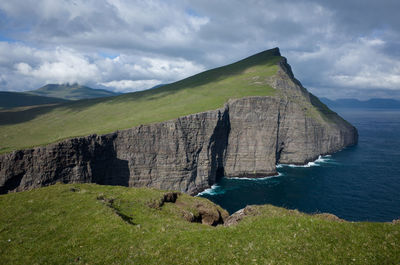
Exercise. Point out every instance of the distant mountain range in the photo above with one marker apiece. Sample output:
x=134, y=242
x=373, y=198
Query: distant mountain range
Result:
x=17, y=99
x=50, y=94
x=374, y=103
x=71, y=92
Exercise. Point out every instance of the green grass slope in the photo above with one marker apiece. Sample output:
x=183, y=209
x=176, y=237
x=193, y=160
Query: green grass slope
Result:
x=72, y=224
x=205, y=91
x=71, y=92
x=17, y=99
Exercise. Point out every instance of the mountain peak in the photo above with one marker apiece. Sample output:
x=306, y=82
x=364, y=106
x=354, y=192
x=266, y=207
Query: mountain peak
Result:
x=275, y=51
x=270, y=52
x=263, y=56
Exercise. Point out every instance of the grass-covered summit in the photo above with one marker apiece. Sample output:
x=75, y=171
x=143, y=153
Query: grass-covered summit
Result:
x=205, y=91
x=92, y=224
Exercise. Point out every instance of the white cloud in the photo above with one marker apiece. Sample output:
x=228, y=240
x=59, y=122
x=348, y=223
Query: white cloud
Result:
x=23, y=68
x=64, y=66
x=33, y=68
x=131, y=85
x=359, y=65
x=332, y=45
x=198, y=22
x=165, y=68
x=368, y=80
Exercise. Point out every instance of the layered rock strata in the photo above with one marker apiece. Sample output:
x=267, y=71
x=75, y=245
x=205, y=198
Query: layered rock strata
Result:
x=247, y=137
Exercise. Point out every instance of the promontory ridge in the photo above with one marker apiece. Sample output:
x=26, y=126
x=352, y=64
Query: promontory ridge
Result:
x=239, y=120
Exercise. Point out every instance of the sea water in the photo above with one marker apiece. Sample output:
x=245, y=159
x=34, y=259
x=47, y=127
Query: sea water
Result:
x=359, y=183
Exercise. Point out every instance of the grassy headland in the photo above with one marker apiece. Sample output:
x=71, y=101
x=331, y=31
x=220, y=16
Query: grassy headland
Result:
x=74, y=224
x=23, y=128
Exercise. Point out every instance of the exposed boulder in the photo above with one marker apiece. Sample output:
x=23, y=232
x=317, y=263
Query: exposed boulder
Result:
x=330, y=217
x=238, y=216
x=194, y=210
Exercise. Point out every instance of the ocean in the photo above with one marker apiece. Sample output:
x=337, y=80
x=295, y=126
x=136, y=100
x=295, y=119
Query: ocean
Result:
x=359, y=183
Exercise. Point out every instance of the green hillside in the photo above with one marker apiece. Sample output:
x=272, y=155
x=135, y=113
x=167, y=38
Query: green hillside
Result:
x=205, y=91
x=16, y=99
x=92, y=224
x=71, y=92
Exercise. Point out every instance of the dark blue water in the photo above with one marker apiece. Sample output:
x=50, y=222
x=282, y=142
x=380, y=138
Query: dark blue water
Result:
x=359, y=183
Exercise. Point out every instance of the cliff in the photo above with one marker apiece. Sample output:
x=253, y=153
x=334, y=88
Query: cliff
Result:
x=246, y=137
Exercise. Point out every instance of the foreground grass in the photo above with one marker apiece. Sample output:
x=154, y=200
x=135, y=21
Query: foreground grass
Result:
x=24, y=128
x=66, y=224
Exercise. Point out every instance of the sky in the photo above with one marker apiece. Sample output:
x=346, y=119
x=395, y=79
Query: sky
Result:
x=337, y=49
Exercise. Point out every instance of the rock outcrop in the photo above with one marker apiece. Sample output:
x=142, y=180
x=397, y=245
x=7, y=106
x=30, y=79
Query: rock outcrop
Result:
x=247, y=137
x=238, y=216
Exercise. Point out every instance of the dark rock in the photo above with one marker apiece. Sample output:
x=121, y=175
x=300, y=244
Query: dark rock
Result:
x=170, y=197
x=209, y=215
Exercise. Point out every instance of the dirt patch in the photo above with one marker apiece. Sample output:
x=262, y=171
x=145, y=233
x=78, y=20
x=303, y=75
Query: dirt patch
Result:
x=205, y=214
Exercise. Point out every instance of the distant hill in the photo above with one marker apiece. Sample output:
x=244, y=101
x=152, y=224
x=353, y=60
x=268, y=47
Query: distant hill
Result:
x=71, y=92
x=374, y=103
x=17, y=99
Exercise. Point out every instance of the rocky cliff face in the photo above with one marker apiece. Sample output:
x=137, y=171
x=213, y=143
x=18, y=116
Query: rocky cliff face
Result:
x=247, y=137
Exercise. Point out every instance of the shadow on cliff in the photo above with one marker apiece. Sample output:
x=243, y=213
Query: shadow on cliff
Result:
x=115, y=172
x=86, y=160
x=112, y=172
x=217, y=147
x=11, y=184
x=106, y=167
